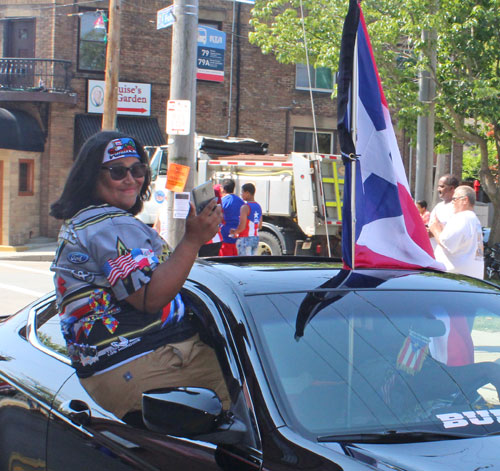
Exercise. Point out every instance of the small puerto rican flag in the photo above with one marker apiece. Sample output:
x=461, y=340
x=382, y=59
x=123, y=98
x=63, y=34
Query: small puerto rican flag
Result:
x=413, y=352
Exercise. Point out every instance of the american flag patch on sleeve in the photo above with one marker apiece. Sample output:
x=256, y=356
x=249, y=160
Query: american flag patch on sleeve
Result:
x=124, y=265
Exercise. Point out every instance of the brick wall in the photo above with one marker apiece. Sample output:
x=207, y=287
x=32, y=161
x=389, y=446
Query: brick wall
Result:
x=20, y=214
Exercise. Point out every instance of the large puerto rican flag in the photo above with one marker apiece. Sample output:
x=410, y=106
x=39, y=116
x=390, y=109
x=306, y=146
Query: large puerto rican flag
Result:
x=388, y=230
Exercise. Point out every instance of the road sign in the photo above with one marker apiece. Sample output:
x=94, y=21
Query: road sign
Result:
x=211, y=48
x=165, y=17
x=178, y=117
x=133, y=98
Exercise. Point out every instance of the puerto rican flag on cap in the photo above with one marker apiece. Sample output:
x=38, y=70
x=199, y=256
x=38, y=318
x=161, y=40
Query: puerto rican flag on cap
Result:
x=119, y=149
x=389, y=232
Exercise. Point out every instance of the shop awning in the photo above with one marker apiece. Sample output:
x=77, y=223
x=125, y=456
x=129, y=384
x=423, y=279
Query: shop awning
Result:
x=146, y=130
x=20, y=131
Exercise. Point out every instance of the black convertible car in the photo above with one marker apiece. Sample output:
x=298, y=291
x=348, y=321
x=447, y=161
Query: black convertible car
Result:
x=327, y=370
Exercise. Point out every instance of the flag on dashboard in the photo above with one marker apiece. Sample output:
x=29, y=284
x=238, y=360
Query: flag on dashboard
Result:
x=388, y=230
x=413, y=352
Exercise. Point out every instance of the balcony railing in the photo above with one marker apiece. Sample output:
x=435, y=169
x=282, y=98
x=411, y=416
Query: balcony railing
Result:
x=35, y=75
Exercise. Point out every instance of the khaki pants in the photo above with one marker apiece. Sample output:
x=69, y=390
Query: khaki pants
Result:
x=187, y=363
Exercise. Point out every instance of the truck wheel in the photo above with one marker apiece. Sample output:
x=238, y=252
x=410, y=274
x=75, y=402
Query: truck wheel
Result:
x=269, y=244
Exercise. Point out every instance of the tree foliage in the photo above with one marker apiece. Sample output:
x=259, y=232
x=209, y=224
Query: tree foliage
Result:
x=466, y=41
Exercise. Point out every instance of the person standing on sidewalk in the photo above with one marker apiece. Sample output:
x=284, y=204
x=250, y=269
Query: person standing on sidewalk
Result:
x=443, y=211
x=247, y=231
x=460, y=241
x=231, y=205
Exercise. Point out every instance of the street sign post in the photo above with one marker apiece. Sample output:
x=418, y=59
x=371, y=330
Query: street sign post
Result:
x=178, y=117
x=165, y=17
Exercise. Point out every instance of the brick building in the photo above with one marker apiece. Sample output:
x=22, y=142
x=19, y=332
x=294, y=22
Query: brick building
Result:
x=65, y=43
x=54, y=51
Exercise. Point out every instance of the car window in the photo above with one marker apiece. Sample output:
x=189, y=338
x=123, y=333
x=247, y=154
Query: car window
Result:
x=348, y=362
x=48, y=329
x=213, y=331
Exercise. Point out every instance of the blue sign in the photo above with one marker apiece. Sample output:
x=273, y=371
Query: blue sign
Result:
x=165, y=17
x=211, y=49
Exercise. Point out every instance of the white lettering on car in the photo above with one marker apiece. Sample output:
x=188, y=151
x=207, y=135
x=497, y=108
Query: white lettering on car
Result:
x=463, y=419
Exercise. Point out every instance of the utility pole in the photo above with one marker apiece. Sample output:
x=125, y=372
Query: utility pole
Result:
x=112, y=67
x=424, y=184
x=181, y=148
x=425, y=136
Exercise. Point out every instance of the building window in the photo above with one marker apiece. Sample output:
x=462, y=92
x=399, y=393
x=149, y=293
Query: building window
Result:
x=26, y=177
x=321, y=78
x=304, y=141
x=92, y=40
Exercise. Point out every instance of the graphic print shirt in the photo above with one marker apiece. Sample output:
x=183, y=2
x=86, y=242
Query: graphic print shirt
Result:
x=104, y=255
x=253, y=220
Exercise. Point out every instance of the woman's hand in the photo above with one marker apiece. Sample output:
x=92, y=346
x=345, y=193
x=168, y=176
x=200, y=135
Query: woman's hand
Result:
x=200, y=228
x=169, y=276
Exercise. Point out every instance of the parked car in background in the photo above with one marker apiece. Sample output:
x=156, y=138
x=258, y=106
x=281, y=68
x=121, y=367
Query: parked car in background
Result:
x=327, y=369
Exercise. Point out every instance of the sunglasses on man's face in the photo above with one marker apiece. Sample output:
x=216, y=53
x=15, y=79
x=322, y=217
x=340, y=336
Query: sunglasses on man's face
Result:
x=120, y=172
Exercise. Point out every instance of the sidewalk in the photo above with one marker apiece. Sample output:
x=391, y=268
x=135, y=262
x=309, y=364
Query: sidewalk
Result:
x=39, y=249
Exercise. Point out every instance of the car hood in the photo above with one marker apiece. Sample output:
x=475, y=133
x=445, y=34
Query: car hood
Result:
x=449, y=455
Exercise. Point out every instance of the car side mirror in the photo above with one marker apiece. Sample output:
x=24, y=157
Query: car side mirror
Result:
x=191, y=413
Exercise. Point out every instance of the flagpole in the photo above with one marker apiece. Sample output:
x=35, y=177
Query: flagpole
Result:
x=354, y=117
x=354, y=158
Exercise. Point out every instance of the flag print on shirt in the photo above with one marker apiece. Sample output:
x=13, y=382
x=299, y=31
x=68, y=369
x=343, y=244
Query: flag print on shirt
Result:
x=173, y=312
x=389, y=232
x=124, y=265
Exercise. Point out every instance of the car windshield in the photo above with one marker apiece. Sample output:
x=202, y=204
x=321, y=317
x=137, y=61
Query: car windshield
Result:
x=348, y=362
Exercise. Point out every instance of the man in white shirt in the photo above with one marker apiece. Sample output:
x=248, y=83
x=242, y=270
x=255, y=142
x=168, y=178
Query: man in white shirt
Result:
x=460, y=241
x=443, y=211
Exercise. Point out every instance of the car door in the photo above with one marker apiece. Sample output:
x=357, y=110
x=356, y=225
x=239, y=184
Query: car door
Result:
x=99, y=440
x=30, y=379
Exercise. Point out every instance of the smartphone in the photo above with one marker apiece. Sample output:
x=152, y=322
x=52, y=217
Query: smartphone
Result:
x=202, y=195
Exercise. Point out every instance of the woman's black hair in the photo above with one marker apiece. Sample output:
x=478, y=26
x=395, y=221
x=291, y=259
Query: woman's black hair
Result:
x=79, y=189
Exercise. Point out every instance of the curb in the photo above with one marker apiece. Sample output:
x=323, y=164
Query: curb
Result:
x=28, y=257
x=13, y=248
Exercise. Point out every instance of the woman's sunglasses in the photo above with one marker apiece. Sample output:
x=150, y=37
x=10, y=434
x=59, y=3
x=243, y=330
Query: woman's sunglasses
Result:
x=120, y=172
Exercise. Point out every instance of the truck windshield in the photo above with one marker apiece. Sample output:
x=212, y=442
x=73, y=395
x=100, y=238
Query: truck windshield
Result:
x=158, y=163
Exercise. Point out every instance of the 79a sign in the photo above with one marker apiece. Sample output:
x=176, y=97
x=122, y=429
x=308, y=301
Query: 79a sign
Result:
x=210, y=58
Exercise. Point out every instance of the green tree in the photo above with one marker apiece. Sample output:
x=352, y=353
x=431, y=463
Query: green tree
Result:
x=467, y=43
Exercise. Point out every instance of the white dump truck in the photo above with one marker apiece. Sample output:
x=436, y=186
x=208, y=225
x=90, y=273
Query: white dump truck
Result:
x=300, y=193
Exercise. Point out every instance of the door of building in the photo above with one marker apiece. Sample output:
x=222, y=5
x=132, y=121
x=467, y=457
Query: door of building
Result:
x=21, y=44
x=21, y=38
